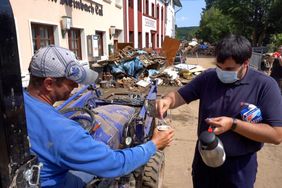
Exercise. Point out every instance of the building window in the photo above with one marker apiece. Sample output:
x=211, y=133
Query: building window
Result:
x=140, y=5
x=131, y=36
x=100, y=43
x=139, y=40
x=158, y=12
x=153, y=10
x=147, y=7
x=42, y=35
x=75, y=42
x=158, y=40
x=130, y=3
x=162, y=14
x=147, y=40
x=153, y=40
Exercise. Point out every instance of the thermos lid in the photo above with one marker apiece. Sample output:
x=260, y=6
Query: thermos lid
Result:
x=208, y=139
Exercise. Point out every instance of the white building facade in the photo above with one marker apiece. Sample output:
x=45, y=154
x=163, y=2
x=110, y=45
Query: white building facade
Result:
x=87, y=27
x=147, y=22
x=91, y=28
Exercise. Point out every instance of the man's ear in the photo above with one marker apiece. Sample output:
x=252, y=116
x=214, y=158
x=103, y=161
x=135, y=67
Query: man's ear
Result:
x=48, y=84
x=246, y=63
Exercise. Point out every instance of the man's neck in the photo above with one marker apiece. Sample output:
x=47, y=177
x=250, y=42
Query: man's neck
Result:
x=37, y=93
x=244, y=73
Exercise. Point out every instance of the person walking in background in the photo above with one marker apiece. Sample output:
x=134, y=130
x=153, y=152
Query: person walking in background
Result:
x=221, y=91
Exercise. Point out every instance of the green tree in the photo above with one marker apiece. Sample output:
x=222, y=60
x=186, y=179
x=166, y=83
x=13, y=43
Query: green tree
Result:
x=209, y=3
x=275, y=17
x=186, y=33
x=214, y=25
x=275, y=42
x=250, y=18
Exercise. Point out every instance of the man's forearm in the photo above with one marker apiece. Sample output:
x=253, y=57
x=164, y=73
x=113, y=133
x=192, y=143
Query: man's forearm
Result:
x=259, y=132
x=175, y=99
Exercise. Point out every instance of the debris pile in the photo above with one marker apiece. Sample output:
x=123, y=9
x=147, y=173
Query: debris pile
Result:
x=130, y=68
x=194, y=48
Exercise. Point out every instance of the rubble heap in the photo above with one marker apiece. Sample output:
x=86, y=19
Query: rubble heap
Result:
x=129, y=67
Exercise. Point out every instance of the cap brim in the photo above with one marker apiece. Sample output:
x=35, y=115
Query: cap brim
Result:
x=91, y=77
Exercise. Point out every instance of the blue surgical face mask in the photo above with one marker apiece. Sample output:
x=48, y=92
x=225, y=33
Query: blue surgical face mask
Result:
x=226, y=77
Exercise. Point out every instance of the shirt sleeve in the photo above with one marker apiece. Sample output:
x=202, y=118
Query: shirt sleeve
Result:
x=270, y=103
x=192, y=90
x=81, y=152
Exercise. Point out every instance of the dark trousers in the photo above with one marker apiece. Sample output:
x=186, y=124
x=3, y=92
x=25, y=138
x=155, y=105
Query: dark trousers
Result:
x=236, y=172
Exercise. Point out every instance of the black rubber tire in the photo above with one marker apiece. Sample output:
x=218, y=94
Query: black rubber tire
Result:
x=154, y=171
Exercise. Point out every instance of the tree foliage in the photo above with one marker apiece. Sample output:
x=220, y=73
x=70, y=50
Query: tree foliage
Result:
x=250, y=17
x=186, y=33
x=209, y=3
x=214, y=25
x=275, y=17
x=255, y=19
x=276, y=41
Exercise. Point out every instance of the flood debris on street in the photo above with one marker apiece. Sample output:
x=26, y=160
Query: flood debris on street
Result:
x=135, y=68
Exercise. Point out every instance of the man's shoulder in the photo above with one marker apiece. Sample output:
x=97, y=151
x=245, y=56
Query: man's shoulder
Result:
x=208, y=73
x=30, y=100
x=207, y=76
x=38, y=111
x=263, y=82
x=258, y=76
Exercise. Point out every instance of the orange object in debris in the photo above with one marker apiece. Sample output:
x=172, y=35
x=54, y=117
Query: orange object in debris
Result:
x=170, y=48
x=95, y=127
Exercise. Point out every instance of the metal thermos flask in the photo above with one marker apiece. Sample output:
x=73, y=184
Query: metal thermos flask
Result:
x=211, y=149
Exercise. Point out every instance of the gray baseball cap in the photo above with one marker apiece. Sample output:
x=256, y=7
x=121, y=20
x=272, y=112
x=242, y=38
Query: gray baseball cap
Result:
x=54, y=61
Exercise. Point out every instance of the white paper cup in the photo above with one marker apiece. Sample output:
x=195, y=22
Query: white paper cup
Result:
x=163, y=127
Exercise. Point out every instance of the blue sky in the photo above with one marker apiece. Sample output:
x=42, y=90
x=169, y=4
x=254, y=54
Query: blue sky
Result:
x=190, y=14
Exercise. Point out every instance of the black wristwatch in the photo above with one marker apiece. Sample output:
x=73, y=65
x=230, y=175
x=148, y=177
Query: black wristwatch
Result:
x=234, y=124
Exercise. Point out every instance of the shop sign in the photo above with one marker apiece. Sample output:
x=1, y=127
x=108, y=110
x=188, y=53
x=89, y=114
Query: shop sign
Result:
x=91, y=7
x=150, y=23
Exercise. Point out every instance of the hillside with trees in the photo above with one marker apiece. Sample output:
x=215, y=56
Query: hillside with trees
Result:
x=186, y=33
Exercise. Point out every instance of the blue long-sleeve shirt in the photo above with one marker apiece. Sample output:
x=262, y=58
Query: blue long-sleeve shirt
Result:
x=62, y=145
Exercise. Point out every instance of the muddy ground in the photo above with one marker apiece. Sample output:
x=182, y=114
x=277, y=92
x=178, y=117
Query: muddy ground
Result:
x=180, y=154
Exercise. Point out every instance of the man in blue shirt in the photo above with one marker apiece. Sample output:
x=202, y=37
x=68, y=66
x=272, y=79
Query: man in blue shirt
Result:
x=62, y=144
x=221, y=91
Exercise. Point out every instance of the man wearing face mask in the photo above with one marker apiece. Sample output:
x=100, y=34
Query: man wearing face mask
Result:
x=221, y=91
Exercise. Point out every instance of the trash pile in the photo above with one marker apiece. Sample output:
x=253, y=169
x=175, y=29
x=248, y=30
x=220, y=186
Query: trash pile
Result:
x=194, y=48
x=130, y=68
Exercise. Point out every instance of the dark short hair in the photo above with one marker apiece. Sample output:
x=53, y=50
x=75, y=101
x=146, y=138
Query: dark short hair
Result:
x=36, y=81
x=233, y=46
